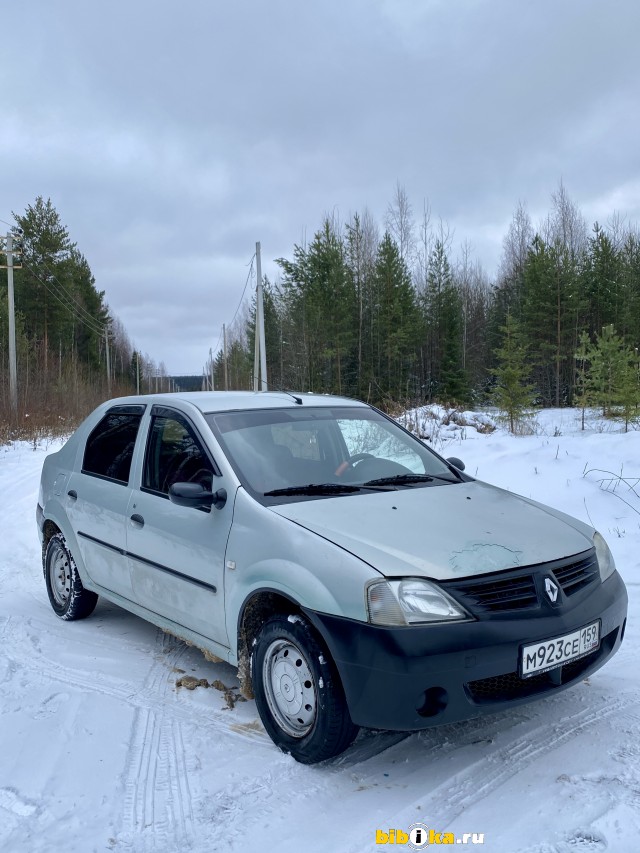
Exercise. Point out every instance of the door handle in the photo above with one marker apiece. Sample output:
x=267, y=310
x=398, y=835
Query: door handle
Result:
x=73, y=494
x=137, y=520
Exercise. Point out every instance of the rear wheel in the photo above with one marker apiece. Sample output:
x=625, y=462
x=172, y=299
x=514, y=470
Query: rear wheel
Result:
x=298, y=691
x=69, y=599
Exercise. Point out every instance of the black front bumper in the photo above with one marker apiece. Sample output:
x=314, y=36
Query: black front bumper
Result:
x=420, y=676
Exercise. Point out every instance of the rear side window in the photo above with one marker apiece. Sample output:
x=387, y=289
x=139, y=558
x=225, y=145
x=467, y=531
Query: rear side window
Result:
x=109, y=448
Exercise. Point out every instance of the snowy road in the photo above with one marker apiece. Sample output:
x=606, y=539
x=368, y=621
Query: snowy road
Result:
x=100, y=751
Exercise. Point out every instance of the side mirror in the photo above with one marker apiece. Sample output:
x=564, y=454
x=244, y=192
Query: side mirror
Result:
x=196, y=496
x=457, y=463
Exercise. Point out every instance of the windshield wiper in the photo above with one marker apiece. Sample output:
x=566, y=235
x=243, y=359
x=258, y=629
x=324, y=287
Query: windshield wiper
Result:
x=325, y=489
x=406, y=479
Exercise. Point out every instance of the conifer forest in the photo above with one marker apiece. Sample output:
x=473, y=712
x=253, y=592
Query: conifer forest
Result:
x=386, y=313
x=60, y=320
x=396, y=312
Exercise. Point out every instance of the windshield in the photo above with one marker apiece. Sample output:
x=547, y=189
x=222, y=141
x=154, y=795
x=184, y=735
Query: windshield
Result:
x=276, y=453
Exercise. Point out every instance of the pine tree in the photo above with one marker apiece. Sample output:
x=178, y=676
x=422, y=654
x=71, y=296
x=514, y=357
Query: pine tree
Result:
x=47, y=247
x=583, y=396
x=550, y=310
x=629, y=389
x=603, y=275
x=513, y=392
x=443, y=321
x=319, y=294
x=397, y=319
x=609, y=365
x=361, y=247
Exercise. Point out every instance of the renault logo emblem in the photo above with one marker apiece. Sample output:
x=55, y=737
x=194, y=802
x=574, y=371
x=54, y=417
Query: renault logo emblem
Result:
x=551, y=589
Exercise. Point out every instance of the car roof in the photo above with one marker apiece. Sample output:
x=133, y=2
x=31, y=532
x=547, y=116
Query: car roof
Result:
x=223, y=401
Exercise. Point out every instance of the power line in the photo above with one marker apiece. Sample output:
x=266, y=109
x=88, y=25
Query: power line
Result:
x=71, y=296
x=244, y=289
x=91, y=324
x=79, y=307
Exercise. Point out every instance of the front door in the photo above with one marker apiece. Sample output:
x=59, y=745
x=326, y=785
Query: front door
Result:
x=176, y=554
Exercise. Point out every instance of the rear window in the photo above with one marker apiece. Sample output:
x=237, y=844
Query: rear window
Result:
x=109, y=449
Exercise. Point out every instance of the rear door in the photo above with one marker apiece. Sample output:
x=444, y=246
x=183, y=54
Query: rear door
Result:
x=176, y=554
x=97, y=497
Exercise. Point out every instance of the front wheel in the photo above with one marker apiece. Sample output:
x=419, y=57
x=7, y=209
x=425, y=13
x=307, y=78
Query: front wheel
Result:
x=298, y=691
x=69, y=599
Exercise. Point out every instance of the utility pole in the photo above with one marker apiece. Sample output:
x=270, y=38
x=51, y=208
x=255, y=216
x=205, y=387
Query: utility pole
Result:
x=224, y=344
x=213, y=379
x=106, y=348
x=256, y=352
x=13, y=370
x=260, y=358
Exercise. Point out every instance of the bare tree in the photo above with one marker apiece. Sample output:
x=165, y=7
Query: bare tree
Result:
x=361, y=245
x=473, y=285
x=424, y=251
x=515, y=245
x=565, y=226
x=399, y=223
x=617, y=229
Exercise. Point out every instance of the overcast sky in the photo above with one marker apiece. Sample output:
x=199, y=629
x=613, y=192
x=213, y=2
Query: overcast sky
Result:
x=171, y=136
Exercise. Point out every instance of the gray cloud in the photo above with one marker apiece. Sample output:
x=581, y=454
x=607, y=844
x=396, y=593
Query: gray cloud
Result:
x=171, y=138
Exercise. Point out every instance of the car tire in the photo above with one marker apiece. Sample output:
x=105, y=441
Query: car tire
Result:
x=68, y=598
x=298, y=691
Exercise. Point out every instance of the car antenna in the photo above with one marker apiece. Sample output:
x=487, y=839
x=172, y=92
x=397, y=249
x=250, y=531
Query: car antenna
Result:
x=290, y=394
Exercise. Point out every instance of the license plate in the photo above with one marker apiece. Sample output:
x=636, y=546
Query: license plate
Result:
x=541, y=657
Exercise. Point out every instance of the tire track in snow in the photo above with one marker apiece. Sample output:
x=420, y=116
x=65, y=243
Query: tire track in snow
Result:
x=180, y=773
x=248, y=801
x=25, y=651
x=156, y=782
x=155, y=814
x=310, y=791
x=488, y=773
x=4, y=624
x=7, y=663
x=155, y=810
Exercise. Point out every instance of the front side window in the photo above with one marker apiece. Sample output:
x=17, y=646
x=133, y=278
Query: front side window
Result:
x=109, y=449
x=174, y=455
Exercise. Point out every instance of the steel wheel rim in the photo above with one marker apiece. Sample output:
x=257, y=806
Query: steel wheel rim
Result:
x=289, y=688
x=60, y=577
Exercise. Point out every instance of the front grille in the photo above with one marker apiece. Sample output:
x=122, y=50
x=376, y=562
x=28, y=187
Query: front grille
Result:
x=502, y=688
x=517, y=590
x=577, y=575
x=493, y=596
x=509, y=686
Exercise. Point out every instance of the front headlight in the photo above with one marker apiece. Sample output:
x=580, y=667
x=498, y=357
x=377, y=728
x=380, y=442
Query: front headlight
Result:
x=606, y=563
x=410, y=602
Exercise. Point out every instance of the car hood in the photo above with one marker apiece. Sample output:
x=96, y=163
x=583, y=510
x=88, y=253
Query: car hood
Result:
x=442, y=531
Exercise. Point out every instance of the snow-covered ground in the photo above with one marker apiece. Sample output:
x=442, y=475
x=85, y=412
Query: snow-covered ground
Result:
x=100, y=751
